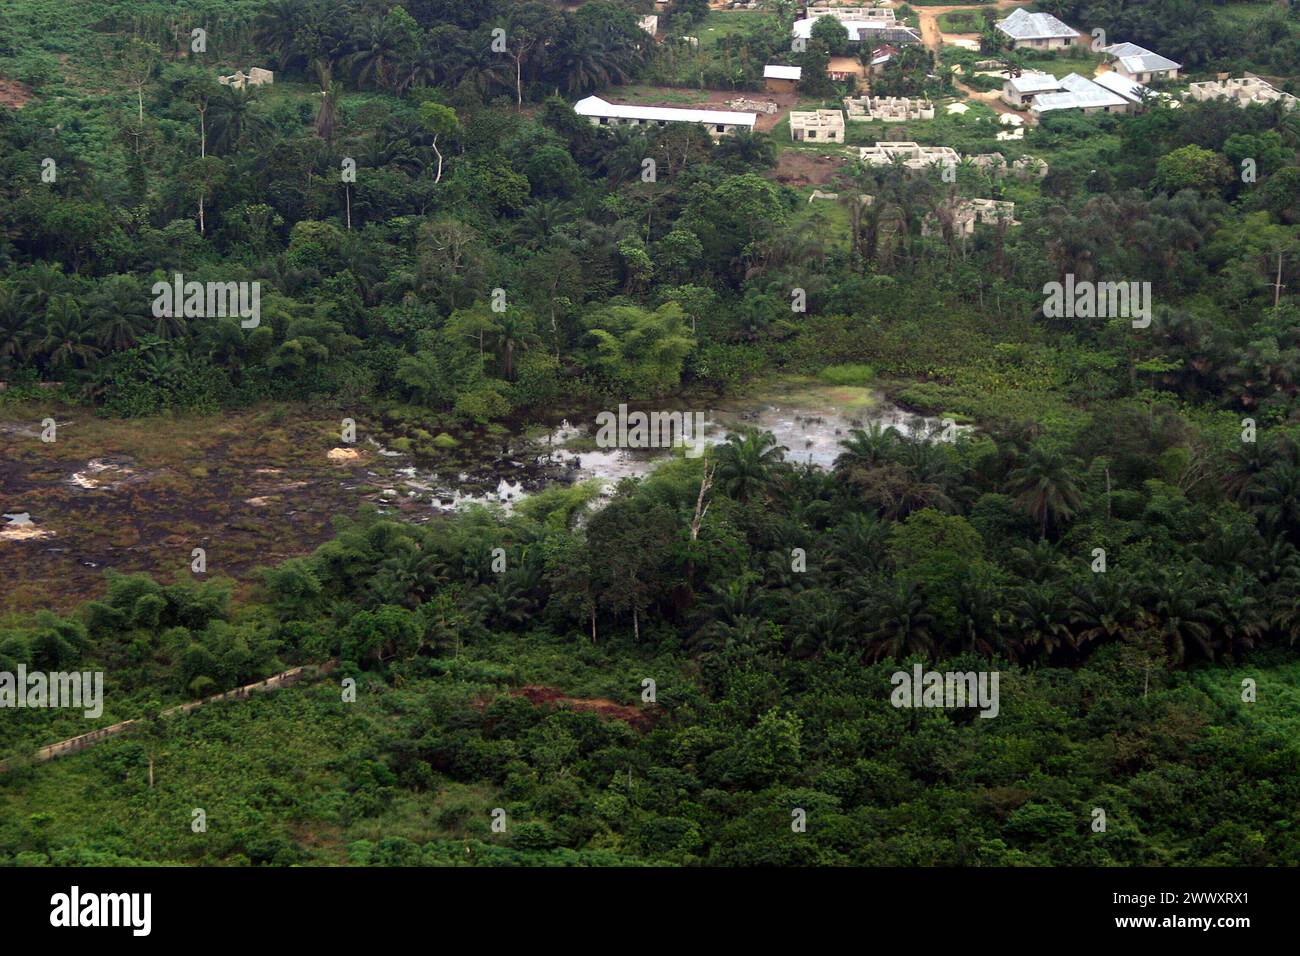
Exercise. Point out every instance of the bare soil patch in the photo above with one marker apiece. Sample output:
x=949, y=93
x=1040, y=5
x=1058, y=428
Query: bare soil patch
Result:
x=540, y=695
x=14, y=95
x=801, y=167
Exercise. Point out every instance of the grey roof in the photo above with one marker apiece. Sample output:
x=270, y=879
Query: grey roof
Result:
x=1034, y=83
x=1131, y=90
x=1079, y=93
x=1023, y=25
x=1136, y=59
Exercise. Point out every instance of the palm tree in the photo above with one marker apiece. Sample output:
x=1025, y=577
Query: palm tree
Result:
x=231, y=121
x=514, y=334
x=746, y=150
x=857, y=544
x=276, y=29
x=1038, y=614
x=1044, y=486
x=38, y=283
x=118, y=310
x=898, y=623
x=1103, y=608
x=537, y=222
x=1241, y=618
x=1275, y=495
x=980, y=622
x=378, y=53
x=327, y=116
x=868, y=448
x=423, y=69
x=1182, y=614
x=587, y=64
x=734, y=616
x=69, y=339
x=16, y=332
x=746, y=460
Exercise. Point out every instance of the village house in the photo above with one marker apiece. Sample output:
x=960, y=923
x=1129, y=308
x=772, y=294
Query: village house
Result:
x=822, y=126
x=716, y=122
x=881, y=57
x=1036, y=31
x=911, y=155
x=649, y=24
x=864, y=31
x=1080, y=93
x=256, y=76
x=843, y=68
x=1124, y=86
x=781, y=79
x=816, y=11
x=888, y=109
x=1242, y=90
x=1019, y=91
x=1141, y=65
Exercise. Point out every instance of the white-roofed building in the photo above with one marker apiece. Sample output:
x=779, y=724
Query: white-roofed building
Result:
x=862, y=31
x=1036, y=31
x=1080, y=93
x=1130, y=89
x=1140, y=64
x=781, y=79
x=1019, y=91
x=716, y=122
x=815, y=11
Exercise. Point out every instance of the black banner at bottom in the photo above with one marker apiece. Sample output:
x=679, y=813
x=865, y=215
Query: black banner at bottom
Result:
x=339, y=905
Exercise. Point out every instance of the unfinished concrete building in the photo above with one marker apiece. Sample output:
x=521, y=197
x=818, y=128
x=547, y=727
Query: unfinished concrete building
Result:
x=256, y=76
x=817, y=126
x=1242, y=90
x=965, y=213
x=888, y=109
x=911, y=155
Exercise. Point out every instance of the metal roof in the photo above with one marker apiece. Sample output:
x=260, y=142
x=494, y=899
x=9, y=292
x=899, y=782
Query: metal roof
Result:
x=1034, y=83
x=1131, y=90
x=855, y=28
x=774, y=72
x=595, y=106
x=1078, y=93
x=1023, y=25
x=1136, y=59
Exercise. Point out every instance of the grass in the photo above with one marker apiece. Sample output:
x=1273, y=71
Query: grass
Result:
x=849, y=374
x=720, y=24
x=960, y=21
x=659, y=94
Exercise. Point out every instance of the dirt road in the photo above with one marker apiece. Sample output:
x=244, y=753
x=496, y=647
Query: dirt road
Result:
x=932, y=36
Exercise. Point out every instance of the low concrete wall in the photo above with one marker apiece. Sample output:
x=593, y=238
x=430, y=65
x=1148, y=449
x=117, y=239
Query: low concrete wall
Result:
x=76, y=744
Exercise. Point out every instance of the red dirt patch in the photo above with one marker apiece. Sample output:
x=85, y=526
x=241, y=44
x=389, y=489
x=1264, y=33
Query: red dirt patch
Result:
x=13, y=94
x=716, y=100
x=539, y=695
x=800, y=167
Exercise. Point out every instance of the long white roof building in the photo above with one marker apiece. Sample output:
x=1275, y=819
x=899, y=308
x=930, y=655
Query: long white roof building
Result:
x=602, y=112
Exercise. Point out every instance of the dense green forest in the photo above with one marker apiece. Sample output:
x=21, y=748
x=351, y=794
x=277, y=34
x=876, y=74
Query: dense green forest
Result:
x=769, y=601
